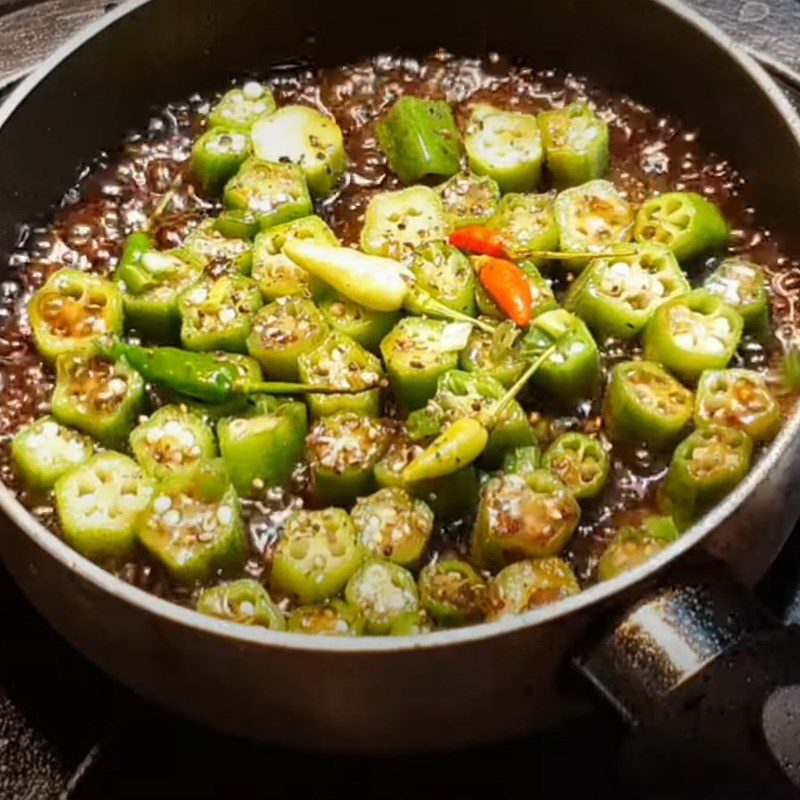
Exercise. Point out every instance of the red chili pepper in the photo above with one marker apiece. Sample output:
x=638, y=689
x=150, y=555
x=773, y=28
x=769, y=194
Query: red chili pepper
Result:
x=480, y=239
x=508, y=286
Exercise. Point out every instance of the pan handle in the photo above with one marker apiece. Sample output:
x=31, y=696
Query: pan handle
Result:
x=711, y=683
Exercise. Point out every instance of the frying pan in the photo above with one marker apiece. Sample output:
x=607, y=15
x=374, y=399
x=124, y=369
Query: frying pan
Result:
x=449, y=688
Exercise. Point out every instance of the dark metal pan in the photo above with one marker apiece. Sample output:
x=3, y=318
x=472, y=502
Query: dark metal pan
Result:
x=448, y=688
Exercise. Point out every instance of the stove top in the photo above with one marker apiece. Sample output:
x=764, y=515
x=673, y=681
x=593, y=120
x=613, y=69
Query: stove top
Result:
x=69, y=732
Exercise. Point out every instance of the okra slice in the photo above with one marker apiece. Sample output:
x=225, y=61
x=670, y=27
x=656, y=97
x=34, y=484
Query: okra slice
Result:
x=98, y=396
x=228, y=253
x=693, y=333
x=580, y=462
x=417, y=352
x=411, y=623
x=342, y=451
x=173, y=442
x=316, y=555
x=396, y=223
x=341, y=363
x=469, y=199
x=575, y=144
x=391, y=524
x=592, y=217
x=645, y=404
x=44, y=451
x=364, y=325
x=506, y=146
x=633, y=545
x=444, y=273
x=741, y=284
x=616, y=295
x=687, y=223
x=523, y=516
x=217, y=314
x=276, y=274
x=522, y=460
x=419, y=139
x=245, y=602
x=573, y=370
x=237, y=224
x=530, y=584
x=272, y=193
x=73, y=309
x=194, y=528
x=462, y=394
x=705, y=467
x=740, y=399
x=98, y=503
x=262, y=448
x=217, y=156
x=151, y=297
x=494, y=354
x=452, y=592
x=448, y=496
x=382, y=592
x=282, y=332
x=332, y=618
x=303, y=136
x=528, y=222
x=241, y=107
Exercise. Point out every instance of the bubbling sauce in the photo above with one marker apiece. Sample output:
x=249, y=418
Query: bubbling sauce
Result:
x=650, y=153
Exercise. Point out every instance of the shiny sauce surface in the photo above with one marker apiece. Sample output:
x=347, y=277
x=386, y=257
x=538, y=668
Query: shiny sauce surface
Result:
x=650, y=153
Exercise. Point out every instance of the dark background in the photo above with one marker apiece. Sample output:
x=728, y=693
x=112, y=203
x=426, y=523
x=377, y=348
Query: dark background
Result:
x=66, y=731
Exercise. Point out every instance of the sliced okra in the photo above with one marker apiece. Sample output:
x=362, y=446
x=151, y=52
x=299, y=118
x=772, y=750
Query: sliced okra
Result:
x=332, y=618
x=217, y=156
x=411, y=623
x=245, y=602
x=452, y=592
x=225, y=253
x=741, y=284
x=444, y=273
x=241, y=107
x=633, y=545
x=528, y=222
x=364, y=325
x=469, y=199
x=382, y=591
x=496, y=355
x=581, y=463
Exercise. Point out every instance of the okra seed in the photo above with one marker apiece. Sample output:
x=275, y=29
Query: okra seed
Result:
x=162, y=503
x=225, y=515
x=172, y=517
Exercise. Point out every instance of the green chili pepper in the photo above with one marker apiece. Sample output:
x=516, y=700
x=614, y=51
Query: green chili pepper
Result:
x=581, y=463
x=393, y=525
x=241, y=107
x=98, y=503
x=741, y=284
x=633, y=545
x=194, y=527
x=530, y=584
x=527, y=223
x=316, y=555
x=645, y=404
x=229, y=253
x=272, y=193
x=523, y=516
x=445, y=274
x=395, y=223
x=572, y=372
x=495, y=355
x=98, y=396
x=506, y=146
x=342, y=451
x=523, y=460
x=740, y=399
x=706, y=465
x=44, y=451
x=692, y=333
x=416, y=353
x=341, y=363
x=135, y=278
x=364, y=325
x=262, y=448
x=469, y=199
x=173, y=442
x=616, y=295
x=276, y=274
x=687, y=223
x=591, y=218
x=217, y=314
x=332, y=618
x=282, y=332
x=575, y=144
x=382, y=591
x=71, y=310
x=245, y=602
x=420, y=139
x=452, y=592
x=217, y=156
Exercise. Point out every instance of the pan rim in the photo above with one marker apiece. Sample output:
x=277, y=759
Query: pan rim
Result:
x=592, y=595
